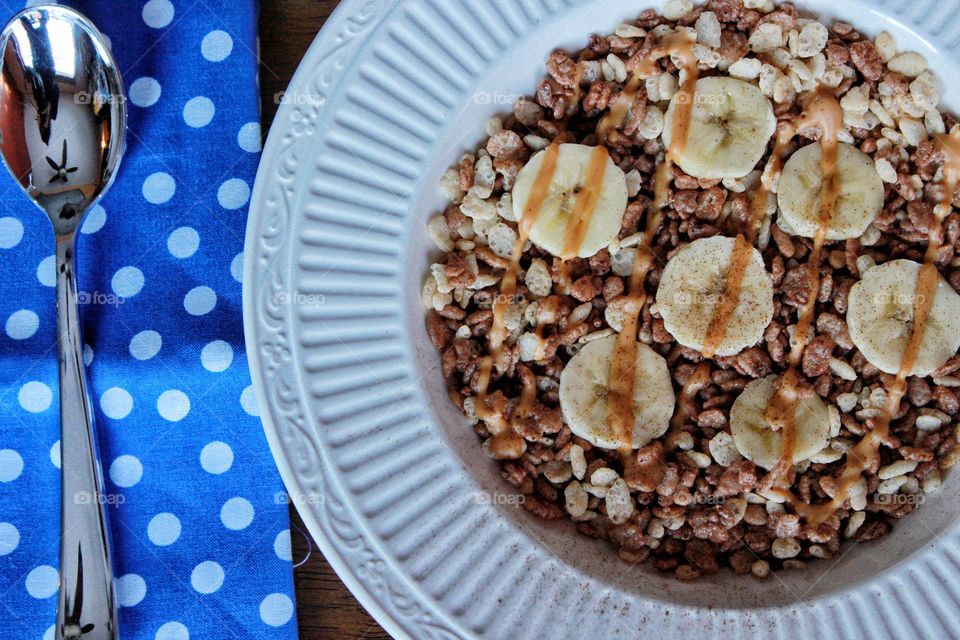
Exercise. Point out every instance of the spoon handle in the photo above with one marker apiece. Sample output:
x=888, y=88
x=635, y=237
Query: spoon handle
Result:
x=86, y=604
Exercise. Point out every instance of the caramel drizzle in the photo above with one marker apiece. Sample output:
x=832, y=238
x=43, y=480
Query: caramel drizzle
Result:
x=822, y=111
x=867, y=451
x=681, y=46
x=723, y=312
x=623, y=368
x=686, y=400
x=498, y=329
x=586, y=203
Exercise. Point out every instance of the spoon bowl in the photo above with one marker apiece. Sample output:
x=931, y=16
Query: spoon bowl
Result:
x=62, y=113
x=62, y=126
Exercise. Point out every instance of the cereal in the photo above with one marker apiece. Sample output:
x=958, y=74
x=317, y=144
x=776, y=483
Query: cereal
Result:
x=575, y=499
x=746, y=68
x=898, y=468
x=676, y=9
x=708, y=30
x=886, y=46
x=909, y=64
x=723, y=450
x=886, y=171
x=618, y=502
x=812, y=39
x=767, y=37
x=689, y=500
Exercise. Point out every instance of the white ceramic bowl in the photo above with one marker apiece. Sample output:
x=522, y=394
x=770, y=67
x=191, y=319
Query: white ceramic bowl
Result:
x=386, y=474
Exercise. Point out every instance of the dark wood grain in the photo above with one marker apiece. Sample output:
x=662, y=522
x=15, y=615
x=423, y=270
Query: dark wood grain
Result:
x=325, y=608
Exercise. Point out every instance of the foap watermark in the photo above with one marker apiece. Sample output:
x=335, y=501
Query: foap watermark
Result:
x=85, y=97
x=295, y=298
x=298, y=98
x=299, y=499
x=899, y=299
x=106, y=499
x=683, y=97
x=498, y=98
x=697, y=297
x=708, y=499
x=898, y=499
x=486, y=300
x=100, y=299
x=498, y=498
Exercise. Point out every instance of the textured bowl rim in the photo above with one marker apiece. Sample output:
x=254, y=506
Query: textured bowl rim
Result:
x=334, y=50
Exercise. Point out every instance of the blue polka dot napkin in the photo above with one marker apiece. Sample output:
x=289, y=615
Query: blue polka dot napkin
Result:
x=201, y=542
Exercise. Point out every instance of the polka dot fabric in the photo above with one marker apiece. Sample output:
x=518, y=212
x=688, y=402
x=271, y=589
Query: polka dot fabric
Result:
x=201, y=544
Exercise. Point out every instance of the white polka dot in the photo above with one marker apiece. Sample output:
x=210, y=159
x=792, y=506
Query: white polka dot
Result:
x=55, y=454
x=50, y=633
x=94, y=220
x=9, y=538
x=11, y=465
x=126, y=471
x=173, y=405
x=200, y=301
x=216, y=458
x=198, y=112
x=145, y=92
x=127, y=282
x=281, y=546
x=116, y=403
x=183, y=242
x=236, y=267
x=158, y=13
x=159, y=187
x=249, y=137
x=47, y=271
x=236, y=513
x=131, y=589
x=216, y=46
x=35, y=397
x=164, y=529
x=276, y=609
x=11, y=232
x=172, y=631
x=43, y=582
x=145, y=345
x=233, y=193
x=248, y=400
x=216, y=356
x=207, y=577
x=87, y=354
x=22, y=324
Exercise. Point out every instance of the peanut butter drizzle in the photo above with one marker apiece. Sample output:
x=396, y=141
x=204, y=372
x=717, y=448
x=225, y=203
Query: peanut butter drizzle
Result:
x=586, y=202
x=680, y=45
x=623, y=368
x=822, y=111
x=686, y=405
x=723, y=312
x=867, y=451
x=498, y=330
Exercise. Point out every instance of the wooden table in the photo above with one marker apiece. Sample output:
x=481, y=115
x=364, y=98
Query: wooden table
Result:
x=325, y=608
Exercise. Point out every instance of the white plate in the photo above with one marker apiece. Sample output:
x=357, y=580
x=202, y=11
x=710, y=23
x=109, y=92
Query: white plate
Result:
x=388, y=478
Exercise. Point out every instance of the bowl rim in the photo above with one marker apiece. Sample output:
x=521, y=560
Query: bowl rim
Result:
x=348, y=29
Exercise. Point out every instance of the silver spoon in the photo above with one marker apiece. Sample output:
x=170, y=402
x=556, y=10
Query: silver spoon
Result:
x=62, y=126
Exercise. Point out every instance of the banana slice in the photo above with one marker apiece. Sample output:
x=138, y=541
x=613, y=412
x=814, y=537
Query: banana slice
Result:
x=730, y=126
x=756, y=441
x=560, y=228
x=584, y=387
x=859, y=200
x=693, y=284
x=880, y=318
